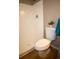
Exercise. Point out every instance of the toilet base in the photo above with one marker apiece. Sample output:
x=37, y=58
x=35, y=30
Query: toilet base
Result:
x=44, y=52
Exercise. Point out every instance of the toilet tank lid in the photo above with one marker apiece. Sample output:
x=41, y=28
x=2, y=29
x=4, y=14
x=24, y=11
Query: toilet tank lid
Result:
x=50, y=28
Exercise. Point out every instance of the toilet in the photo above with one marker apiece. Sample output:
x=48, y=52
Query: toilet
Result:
x=42, y=45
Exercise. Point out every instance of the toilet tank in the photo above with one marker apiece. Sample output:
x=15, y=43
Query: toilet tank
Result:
x=50, y=33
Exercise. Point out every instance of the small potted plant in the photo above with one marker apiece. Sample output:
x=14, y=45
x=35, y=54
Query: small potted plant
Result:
x=51, y=24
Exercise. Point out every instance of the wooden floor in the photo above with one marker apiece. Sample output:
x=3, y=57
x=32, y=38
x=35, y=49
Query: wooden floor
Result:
x=51, y=53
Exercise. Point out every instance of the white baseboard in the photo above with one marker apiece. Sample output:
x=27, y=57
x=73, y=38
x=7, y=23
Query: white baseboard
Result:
x=21, y=55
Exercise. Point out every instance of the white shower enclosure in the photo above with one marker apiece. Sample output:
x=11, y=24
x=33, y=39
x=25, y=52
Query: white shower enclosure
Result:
x=30, y=27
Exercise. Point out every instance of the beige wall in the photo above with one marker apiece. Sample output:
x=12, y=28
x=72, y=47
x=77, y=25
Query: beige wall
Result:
x=30, y=27
x=51, y=10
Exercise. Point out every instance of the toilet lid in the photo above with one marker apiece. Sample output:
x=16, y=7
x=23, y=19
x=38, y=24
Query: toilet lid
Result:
x=42, y=44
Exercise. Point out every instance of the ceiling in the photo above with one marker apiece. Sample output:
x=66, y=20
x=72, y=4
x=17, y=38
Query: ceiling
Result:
x=30, y=2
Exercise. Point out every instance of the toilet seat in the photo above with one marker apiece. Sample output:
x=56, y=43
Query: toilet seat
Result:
x=42, y=44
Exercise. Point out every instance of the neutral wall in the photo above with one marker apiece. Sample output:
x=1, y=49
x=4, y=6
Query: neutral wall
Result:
x=51, y=10
x=31, y=28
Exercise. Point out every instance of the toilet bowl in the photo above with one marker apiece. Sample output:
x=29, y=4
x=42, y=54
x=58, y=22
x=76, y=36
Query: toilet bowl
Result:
x=42, y=44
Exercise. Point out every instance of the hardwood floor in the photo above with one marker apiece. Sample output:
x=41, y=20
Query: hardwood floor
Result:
x=52, y=54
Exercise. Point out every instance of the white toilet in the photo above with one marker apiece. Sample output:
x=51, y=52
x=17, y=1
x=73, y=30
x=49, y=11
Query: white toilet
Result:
x=43, y=44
